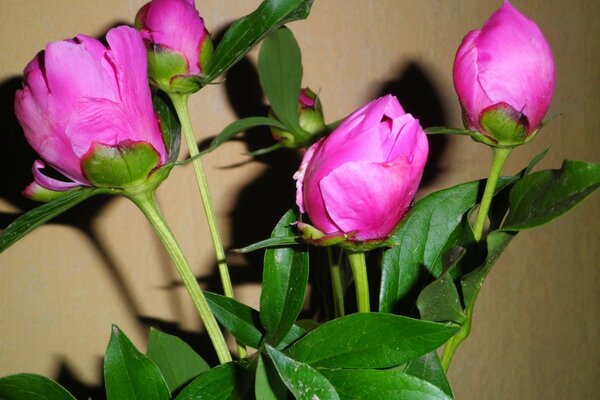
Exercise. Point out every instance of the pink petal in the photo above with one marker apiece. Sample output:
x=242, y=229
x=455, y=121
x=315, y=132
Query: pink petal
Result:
x=129, y=57
x=299, y=175
x=50, y=183
x=366, y=197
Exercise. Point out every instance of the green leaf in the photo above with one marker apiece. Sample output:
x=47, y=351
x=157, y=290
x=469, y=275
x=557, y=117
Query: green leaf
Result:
x=472, y=282
x=443, y=130
x=238, y=126
x=429, y=368
x=369, y=340
x=280, y=73
x=421, y=240
x=31, y=387
x=128, y=374
x=271, y=242
x=294, y=334
x=169, y=126
x=246, y=32
x=241, y=321
x=285, y=277
x=545, y=195
x=365, y=384
x=39, y=215
x=302, y=380
x=219, y=383
x=268, y=384
x=439, y=301
x=177, y=361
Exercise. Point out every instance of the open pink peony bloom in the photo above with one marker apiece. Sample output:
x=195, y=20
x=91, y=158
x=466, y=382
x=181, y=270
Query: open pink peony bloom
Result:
x=79, y=95
x=361, y=179
x=505, y=67
x=175, y=27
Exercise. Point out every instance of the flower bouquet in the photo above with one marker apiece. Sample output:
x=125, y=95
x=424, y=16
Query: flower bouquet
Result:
x=393, y=277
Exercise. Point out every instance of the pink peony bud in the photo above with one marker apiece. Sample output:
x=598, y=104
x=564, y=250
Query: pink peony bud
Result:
x=80, y=99
x=310, y=117
x=361, y=179
x=179, y=46
x=504, y=76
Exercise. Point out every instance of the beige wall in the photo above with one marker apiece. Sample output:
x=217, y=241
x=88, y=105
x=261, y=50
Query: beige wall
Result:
x=536, y=331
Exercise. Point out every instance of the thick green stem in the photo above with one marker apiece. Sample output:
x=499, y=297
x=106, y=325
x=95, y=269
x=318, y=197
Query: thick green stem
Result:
x=456, y=340
x=499, y=158
x=336, y=284
x=358, y=264
x=147, y=203
x=180, y=102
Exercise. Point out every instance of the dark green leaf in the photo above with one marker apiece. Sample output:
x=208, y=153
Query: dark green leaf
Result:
x=271, y=242
x=545, y=195
x=422, y=239
x=303, y=381
x=31, y=387
x=439, y=301
x=39, y=215
x=220, y=383
x=534, y=161
x=280, y=73
x=369, y=340
x=443, y=130
x=429, y=368
x=169, y=126
x=295, y=333
x=238, y=126
x=471, y=283
x=128, y=374
x=246, y=32
x=365, y=384
x=241, y=321
x=285, y=277
x=268, y=385
x=177, y=361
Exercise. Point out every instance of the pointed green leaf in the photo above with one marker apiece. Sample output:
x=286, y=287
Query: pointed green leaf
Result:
x=285, y=277
x=443, y=130
x=241, y=321
x=31, y=387
x=220, y=383
x=369, y=340
x=238, y=126
x=280, y=73
x=545, y=195
x=270, y=242
x=429, y=368
x=128, y=374
x=177, y=361
x=246, y=32
x=368, y=384
x=39, y=215
x=302, y=380
x=268, y=385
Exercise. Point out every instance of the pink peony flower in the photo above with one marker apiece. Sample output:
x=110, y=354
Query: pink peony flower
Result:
x=505, y=70
x=361, y=179
x=78, y=97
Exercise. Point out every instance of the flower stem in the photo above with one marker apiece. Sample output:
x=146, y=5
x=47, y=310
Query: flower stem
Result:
x=455, y=341
x=146, y=202
x=180, y=102
x=498, y=160
x=336, y=284
x=358, y=264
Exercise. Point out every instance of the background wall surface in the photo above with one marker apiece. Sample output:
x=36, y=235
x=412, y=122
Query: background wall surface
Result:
x=536, y=331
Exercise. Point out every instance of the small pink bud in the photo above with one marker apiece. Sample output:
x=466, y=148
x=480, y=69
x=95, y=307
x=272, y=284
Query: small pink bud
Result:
x=504, y=77
x=361, y=179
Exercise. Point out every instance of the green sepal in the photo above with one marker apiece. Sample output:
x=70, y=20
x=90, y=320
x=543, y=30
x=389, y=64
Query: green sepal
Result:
x=44, y=195
x=170, y=127
x=315, y=237
x=164, y=65
x=504, y=124
x=206, y=53
x=125, y=165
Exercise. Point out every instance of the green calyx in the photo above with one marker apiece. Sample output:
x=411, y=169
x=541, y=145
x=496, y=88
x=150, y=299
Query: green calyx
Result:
x=315, y=237
x=312, y=123
x=129, y=167
x=168, y=71
x=504, y=126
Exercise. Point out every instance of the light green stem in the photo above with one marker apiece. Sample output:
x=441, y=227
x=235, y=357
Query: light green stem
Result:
x=147, y=203
x=358, y=264
x=456, y=340
x=498, y=160
x=336, y=284
x=180, y=102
